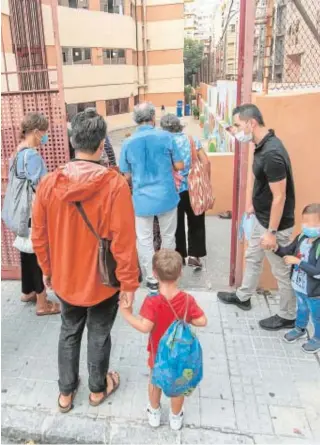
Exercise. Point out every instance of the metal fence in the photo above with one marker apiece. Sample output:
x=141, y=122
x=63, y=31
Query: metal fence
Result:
x=286, y=50
x=27, y=85
x=287, y=45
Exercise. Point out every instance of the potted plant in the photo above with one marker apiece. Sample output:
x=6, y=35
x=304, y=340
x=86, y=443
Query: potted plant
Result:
x=196, y=112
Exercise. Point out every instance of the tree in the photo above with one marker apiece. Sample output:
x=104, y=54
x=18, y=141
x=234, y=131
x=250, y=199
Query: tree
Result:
x=192, y=56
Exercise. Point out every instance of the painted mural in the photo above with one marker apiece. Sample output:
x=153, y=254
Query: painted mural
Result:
x=217, y=116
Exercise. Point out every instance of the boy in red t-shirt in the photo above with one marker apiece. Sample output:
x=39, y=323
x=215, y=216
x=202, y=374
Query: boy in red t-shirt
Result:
x=156, y=315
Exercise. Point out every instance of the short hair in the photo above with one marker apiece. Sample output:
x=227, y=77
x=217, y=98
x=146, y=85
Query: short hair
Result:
x=249, y=111
x=167, y=265
x=172, y=123
x=89, y=129
x=144, y=112
x=33, y=121
x=312, y=209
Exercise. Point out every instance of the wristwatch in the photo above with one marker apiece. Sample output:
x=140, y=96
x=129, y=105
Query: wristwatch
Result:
x=273, y=232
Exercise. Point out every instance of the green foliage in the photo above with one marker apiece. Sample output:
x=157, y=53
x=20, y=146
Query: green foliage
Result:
x=188, y=94
x=192, y=56
x=196, y=112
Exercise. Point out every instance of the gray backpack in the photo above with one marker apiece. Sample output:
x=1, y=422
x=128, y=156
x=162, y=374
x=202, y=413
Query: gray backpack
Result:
x=16, y=209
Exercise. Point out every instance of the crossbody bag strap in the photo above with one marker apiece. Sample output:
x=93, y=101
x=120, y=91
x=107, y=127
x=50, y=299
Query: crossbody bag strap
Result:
x=86, y=219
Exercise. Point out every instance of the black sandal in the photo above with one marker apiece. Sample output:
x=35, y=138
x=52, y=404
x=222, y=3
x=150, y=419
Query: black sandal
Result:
x=66, y=409
x=107, y=394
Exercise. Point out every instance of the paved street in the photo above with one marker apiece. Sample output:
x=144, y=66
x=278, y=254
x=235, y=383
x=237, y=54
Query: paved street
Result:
x=256, y=388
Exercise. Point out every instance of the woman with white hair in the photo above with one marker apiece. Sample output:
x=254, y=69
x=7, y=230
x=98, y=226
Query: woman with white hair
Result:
x=196, y=248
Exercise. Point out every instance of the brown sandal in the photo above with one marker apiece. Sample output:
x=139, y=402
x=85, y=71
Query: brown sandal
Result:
x=107, y=394
x=51, y=309
x=66, y=409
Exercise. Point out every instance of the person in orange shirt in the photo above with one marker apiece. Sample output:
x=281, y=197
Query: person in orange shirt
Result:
x=67, y=252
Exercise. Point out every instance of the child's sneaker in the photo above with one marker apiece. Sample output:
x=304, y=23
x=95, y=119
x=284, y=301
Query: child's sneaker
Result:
x=294, y=334
x=312, y=346
x=176, y=421
x=154, y=416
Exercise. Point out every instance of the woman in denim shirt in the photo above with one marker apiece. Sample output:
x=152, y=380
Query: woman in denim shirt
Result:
x=34, y=133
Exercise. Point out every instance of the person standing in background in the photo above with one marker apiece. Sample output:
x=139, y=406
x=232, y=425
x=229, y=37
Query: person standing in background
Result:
x=30, y=164
x=196, y=248
x=148, y=158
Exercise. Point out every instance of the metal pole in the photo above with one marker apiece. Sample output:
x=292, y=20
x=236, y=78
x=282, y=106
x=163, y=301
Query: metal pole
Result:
x=244, y=87
x=307, y=19
x=55, y=25
x=268, y=45
x=236, y=168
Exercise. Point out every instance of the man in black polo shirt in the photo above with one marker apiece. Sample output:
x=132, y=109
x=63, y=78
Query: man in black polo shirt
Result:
x=273, y=202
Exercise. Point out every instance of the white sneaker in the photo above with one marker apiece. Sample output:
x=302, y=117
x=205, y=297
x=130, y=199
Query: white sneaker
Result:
x=154, y=416
x=176, y=421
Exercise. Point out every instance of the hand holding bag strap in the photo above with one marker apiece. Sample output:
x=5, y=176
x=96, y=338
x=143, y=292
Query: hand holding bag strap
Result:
x=86, y=219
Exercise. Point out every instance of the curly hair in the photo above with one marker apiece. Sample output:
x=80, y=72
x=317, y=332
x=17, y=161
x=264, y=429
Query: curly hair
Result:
x=170, y=122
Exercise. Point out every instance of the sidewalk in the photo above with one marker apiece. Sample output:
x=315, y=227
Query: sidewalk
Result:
x=256, y=388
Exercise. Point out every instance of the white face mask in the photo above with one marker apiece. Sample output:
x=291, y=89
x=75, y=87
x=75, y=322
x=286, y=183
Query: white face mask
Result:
x=242, y=137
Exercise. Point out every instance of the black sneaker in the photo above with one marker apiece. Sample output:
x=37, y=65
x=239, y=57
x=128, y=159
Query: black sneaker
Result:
x=231, y=298
x=194, y=262
x=276, y=323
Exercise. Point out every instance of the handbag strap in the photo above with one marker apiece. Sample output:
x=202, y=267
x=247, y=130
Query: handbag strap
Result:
x=86, y=219
x=193, y=150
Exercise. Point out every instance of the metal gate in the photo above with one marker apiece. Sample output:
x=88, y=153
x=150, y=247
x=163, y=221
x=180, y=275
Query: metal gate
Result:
x=31, y=86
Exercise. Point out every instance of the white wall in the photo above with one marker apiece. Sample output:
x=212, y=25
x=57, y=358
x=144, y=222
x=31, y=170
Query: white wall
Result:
x=165, y=34
x=85, y=83
x=83, y=28
x=5, y=7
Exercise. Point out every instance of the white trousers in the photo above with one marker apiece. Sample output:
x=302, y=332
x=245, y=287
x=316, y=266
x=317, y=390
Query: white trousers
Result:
x=144, y=229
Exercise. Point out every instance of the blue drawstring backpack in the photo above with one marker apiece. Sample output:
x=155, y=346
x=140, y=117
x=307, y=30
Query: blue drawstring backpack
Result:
x=178, y=367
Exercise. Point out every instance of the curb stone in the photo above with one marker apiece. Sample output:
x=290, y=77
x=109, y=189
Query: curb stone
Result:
x=23, y=425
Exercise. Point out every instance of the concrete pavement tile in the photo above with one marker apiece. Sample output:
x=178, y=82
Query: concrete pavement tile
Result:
x=253, y=418
x=276, y=440
x=217, y=413
x=124, y=433
x=194, y=436
x=290, y=421
x=216, y=387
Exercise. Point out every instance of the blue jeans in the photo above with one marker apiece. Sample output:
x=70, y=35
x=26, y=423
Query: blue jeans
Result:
x=308, y=306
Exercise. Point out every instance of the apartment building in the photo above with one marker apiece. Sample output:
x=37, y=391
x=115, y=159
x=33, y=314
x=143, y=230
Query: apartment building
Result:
x=114, y=53
x=190, y=19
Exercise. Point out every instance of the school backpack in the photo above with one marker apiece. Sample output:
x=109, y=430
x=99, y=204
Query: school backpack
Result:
x=178, y=367
x=16, y=209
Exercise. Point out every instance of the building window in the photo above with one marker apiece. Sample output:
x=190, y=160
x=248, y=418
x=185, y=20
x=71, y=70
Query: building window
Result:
x=73, y=109
x=112, y=6
x=76, y=56
x=117, y=106
x=232, y=28
x=83, y=4
x=114, y=56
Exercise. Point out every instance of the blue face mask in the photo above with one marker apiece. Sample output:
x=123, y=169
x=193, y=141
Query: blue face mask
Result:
x=311, y=232
x=44, y=139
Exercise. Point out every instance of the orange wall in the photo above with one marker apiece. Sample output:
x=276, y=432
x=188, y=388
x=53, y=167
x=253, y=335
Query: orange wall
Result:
x=167, y=99
x=165, y=57
x=222, y=181
x=155, y=13
x=295, y=119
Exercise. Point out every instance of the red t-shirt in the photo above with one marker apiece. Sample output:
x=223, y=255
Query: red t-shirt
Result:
x=156, y=309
